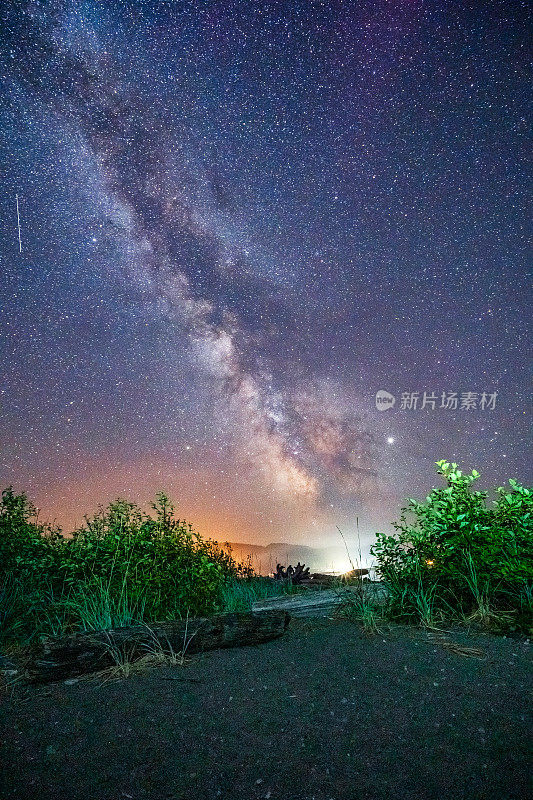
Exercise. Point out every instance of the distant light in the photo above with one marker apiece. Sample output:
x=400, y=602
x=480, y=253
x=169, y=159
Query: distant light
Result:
x=341, y=567
x=390, y=440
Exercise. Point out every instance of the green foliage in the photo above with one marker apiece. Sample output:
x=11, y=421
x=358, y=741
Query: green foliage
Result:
x=466, y=556
x=25, y=545
x=121, y=566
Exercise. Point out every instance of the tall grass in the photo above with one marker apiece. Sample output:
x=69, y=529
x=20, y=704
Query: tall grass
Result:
x=11, y=605
x=240, y=594
x=483, y=613
x=359, y=599
x=126, y=661
x=100, y=608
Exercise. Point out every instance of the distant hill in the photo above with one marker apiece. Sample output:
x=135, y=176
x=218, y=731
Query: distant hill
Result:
x=265, y=557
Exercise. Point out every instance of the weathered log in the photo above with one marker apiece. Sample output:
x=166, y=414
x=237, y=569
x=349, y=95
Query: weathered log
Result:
x=321, y=579
x=55, y=659
x=324, y=603
x=356, y=573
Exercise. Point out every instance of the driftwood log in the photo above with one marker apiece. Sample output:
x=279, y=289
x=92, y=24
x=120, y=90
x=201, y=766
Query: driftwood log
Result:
x=355, y=573
x=319, y=579
x=55, y=659
x=301, y=577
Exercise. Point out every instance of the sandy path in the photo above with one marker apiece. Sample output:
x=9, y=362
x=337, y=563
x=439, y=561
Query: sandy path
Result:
x=324, y=712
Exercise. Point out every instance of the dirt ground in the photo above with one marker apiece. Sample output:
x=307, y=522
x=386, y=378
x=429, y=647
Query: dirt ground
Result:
x=324, y=713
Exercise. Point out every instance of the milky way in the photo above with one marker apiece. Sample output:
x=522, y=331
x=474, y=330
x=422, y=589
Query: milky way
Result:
x=239, y=222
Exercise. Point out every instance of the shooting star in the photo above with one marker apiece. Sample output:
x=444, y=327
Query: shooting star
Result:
x=18, y=224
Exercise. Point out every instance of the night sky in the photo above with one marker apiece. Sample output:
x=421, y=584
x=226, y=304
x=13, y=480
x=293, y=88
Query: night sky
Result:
x=241, y=220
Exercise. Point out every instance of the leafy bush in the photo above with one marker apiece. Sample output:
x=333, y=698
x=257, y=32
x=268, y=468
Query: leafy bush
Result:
x=121, y=566
x=454, y=554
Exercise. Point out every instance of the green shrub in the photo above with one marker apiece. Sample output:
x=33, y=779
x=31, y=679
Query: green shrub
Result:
x=26, y=547
x=461, y=553
x=121, y=566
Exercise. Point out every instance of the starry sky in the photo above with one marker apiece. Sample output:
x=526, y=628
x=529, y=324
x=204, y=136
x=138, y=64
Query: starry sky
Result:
x=241, y=220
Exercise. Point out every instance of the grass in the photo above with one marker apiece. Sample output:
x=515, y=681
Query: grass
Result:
x=25, y=616
x=426, y=606
x=415, y=596
x=126, y=662
x=99, y=608
x=361, y=603
x=362, y=608
x=482, y=613
x=241, y=593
